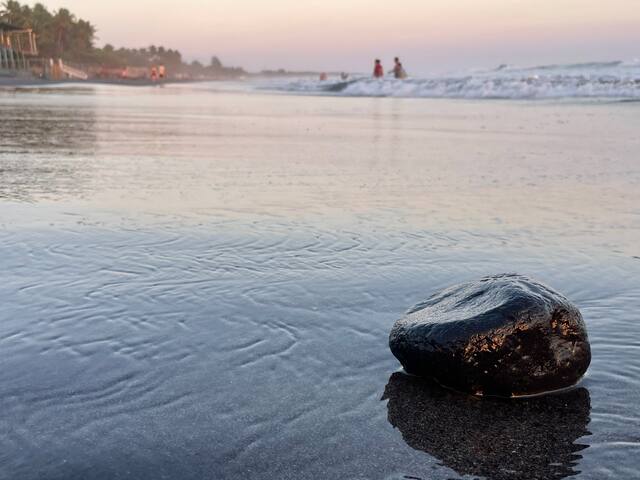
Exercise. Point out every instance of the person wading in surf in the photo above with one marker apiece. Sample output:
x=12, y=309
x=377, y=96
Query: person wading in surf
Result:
x=398, y=69
x=378, y=71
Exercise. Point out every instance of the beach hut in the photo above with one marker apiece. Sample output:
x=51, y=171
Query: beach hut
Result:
x=17, y=45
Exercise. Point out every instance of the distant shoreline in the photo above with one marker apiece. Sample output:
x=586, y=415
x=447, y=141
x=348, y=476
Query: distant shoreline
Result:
x=40, y=82
x=29, y=81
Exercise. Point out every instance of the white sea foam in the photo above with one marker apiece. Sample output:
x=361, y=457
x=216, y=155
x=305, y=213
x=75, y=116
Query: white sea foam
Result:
x=617, y=79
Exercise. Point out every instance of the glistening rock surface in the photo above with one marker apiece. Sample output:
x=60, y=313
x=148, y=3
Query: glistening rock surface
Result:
x=503, y=335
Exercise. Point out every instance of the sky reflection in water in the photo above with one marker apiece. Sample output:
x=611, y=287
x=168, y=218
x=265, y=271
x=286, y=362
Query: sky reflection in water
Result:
x=202, y=284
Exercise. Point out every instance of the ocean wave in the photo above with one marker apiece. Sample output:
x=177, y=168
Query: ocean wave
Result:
x=613, y=80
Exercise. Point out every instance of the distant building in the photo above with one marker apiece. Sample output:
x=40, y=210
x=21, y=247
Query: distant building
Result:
x=17, y=46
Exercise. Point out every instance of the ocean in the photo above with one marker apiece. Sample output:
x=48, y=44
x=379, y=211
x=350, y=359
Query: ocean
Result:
x=199, y=280
x=594, y=80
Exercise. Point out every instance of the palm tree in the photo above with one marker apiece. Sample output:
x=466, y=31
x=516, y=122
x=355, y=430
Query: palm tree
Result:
x=14, y=13
x=63, y=22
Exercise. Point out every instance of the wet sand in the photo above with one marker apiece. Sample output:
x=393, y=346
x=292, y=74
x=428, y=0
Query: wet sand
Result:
x=24, y=81
x=201, y=284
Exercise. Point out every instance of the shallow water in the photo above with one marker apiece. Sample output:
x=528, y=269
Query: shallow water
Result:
x=200, y=284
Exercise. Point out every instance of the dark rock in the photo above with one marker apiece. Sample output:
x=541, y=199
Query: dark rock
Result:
x=504, y=335
x=494, y=438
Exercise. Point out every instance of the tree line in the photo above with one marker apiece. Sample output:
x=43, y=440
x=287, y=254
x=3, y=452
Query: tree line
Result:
x=60, y=34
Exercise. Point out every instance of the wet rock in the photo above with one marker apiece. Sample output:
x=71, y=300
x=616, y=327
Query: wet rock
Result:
x=493, y=438
x=504, y=335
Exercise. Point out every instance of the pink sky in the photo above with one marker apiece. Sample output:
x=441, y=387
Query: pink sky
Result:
x=434, y=35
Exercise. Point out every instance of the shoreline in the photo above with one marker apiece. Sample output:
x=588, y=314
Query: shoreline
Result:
x=39, y=82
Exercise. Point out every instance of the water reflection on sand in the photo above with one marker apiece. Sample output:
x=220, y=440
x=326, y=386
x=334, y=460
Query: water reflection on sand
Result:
x=199, y=284
x=46, y=152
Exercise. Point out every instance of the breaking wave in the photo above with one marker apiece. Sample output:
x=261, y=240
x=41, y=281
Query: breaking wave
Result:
x=616, y=80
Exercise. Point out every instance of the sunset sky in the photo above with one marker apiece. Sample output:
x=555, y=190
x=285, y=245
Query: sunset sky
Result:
x=431, y=36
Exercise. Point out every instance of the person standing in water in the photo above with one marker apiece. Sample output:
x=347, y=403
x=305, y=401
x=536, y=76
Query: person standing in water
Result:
x=378, y=71
x=402, y=74
x=398, y=70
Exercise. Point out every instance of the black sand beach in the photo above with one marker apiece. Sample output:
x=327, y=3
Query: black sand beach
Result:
x=201, y=284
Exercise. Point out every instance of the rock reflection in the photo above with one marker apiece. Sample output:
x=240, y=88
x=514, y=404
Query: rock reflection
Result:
x=493, y=438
